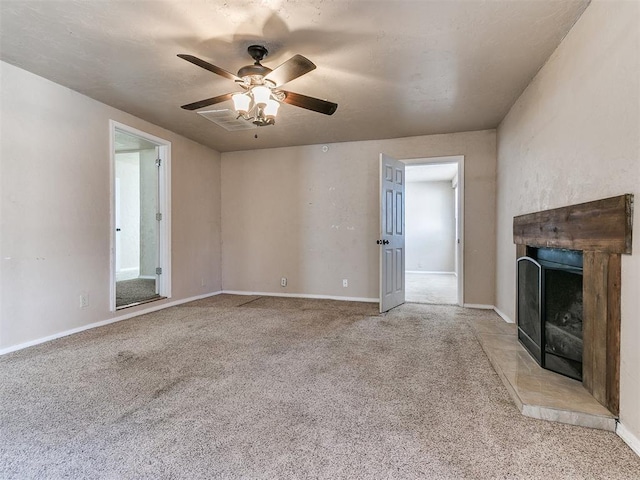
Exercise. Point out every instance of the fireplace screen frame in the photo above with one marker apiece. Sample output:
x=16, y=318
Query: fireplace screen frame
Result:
x=525, y=338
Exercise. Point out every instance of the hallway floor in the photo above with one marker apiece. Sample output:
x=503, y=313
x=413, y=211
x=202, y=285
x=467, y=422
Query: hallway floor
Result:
x=433, y=288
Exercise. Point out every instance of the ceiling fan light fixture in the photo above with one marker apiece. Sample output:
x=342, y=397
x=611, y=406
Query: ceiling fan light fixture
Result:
x=256, y=106
x=271, y=109
x=241, y=102
x=261, y=95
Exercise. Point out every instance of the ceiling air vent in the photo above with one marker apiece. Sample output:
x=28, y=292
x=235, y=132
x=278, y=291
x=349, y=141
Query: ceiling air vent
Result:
x=228, y=119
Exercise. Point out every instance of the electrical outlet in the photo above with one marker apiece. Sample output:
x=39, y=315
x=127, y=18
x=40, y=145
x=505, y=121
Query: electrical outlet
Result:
x=84, y=300
x=283, y=281
x=345, y=283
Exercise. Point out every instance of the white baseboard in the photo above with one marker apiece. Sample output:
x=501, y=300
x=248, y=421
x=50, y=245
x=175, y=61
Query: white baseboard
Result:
x=148, y=277
x=127, y=274
x=102, y=323
x=304, y=295
x=478, y=306
x=489, y=307
x=628, y=438
x=504, y=316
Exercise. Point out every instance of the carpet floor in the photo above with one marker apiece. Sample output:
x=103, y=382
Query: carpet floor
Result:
x=436, y=288
x=264, y=387
x=135, y=290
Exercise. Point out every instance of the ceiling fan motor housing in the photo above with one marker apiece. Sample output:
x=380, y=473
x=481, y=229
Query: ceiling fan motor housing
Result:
x=254, y=70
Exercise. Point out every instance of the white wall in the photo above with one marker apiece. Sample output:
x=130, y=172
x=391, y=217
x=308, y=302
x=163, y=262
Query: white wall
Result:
x=314, y=216
x=574, y=136
x=128, y=177
x=55, y=209
x=430, y=226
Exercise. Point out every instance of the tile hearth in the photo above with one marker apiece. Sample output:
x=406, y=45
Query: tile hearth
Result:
x=537, y=392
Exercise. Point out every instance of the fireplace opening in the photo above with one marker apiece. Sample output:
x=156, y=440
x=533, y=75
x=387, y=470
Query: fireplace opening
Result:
x=550, y=308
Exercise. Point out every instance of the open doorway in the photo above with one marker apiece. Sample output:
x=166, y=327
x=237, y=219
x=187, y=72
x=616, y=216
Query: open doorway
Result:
x=139, y=218
x=433, y=272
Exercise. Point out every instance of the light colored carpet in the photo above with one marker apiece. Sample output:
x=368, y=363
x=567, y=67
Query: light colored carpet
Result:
x=260, y=387
x=433, y=288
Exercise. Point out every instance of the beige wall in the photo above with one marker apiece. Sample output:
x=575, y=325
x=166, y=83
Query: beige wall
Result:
x=55, y=209
x=574, y=136
x=314, y=216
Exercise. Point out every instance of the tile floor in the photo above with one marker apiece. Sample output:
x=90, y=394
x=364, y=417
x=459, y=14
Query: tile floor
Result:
x=537, y=392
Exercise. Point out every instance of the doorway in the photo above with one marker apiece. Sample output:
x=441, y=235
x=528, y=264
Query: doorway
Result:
x=434, y=227
x=139, y=272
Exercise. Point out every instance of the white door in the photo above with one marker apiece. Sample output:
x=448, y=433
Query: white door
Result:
x=391, y=241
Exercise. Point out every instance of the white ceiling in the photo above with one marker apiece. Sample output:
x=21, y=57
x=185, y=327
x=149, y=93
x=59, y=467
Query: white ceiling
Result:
x=396, y=68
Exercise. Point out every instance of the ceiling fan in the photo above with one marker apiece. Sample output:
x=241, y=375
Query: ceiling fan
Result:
x=262, y=93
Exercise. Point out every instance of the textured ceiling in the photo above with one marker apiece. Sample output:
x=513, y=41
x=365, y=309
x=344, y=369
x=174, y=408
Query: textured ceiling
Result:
x=396, y=68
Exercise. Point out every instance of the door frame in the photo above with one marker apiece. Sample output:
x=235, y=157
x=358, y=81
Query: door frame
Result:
x=164, y=207
x=459, y=160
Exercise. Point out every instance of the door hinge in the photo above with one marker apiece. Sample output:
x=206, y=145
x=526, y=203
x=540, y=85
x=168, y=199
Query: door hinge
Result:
x=158, y=162
x=158, y=216
x=158, y=270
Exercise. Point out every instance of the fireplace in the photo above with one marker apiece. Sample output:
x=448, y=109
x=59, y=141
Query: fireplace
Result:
x=550, y=307
x=601, y=231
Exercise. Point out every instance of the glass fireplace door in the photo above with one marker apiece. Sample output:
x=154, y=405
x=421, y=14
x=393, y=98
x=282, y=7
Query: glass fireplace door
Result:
x=529, y=312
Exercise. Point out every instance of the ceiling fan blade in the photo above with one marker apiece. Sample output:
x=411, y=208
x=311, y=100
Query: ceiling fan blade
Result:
x=212, y=68
x=293, y=68
x=208, y=101
x=310, y=103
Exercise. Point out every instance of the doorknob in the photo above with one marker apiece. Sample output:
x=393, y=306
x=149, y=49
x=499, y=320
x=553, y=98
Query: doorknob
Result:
x=382, y=242
x=117, y=229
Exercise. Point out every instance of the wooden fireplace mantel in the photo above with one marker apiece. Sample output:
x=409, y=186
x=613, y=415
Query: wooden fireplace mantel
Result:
x=602, y=226
x=602, y=230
